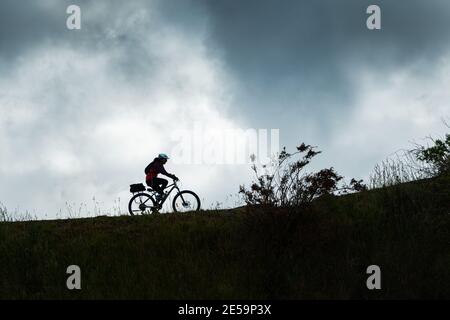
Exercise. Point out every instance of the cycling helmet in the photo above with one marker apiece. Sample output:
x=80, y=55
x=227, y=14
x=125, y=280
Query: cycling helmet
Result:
x=163, y=156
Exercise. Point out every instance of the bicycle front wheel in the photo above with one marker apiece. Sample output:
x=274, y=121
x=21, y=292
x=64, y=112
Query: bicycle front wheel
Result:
x=141, y=203
x=186, y=201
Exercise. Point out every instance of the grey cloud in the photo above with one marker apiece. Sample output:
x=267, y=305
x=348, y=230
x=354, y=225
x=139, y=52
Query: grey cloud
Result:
x=301, y=55
x=23, y=25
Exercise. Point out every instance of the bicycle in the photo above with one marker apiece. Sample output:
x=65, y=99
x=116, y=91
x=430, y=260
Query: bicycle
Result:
x=144, y=200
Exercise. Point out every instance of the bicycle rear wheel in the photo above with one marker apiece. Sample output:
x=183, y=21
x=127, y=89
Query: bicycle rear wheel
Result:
x=186, y=201
x=142, y=203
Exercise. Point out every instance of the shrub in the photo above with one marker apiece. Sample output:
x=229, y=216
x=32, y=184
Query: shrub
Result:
x=285, y=183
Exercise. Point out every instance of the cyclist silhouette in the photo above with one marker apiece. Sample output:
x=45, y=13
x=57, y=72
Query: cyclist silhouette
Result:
x=153, y=169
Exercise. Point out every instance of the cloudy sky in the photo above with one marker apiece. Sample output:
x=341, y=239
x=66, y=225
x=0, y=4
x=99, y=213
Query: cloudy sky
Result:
x=82, y=112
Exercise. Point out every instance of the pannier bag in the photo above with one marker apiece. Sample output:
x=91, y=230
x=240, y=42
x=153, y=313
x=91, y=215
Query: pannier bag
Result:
x=138, y=187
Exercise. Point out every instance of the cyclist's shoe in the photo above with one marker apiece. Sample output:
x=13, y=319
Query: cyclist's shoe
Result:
x=159, y=197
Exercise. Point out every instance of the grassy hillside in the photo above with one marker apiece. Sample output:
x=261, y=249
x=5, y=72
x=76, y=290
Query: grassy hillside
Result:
x=257, y=253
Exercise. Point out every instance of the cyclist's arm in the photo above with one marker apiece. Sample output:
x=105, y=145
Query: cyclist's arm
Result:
x=164, y=172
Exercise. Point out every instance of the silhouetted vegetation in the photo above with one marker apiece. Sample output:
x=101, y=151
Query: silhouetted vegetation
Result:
x=301, y=242
x=320, y=251
x=286, y=183
x=417, y=163
x=436, y=156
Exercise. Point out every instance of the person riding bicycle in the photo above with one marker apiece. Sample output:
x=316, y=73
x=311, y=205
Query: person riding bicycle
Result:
x=153, y=169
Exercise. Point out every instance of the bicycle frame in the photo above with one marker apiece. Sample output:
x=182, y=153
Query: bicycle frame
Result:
x=166, y=194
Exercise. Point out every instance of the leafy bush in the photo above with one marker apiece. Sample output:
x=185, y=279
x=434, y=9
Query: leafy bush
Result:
x=285, y=183
x=437, y=157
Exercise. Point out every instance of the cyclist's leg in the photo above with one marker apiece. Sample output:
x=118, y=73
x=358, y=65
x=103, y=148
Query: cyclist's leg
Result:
x=159, y=184
x=164, y=183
